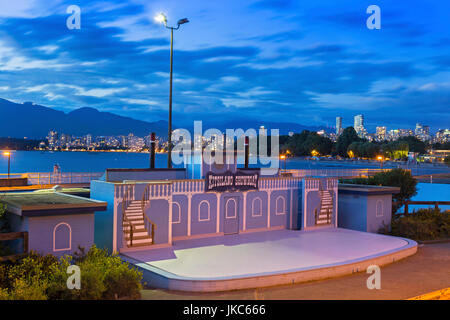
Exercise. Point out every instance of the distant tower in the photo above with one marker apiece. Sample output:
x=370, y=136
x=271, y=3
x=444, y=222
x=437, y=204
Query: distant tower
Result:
x=338, y=125
x=359, y=124
x=380, y=134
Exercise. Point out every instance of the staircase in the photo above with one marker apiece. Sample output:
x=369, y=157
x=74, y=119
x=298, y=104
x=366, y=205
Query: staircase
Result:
x=326, y=208
x=323, y=216
x=138, y=235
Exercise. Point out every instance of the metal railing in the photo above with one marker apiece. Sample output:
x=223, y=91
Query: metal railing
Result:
x=435, y=203
x=338, y=173
x=149, y=225
x=13, y=236
x=40, y=178
x=125, y=222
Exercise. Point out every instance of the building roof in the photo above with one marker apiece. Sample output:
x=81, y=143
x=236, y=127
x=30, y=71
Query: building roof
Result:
x=367, y=189
x=49, y=203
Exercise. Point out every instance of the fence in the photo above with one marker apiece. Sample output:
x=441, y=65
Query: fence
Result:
x=337, y=173
x=435, y=203
x=39, y=178
x=14, y=236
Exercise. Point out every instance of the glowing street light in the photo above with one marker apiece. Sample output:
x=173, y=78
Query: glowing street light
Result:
x=380, y=158
x=161, y=18
x=283, y=157
x=8, y=154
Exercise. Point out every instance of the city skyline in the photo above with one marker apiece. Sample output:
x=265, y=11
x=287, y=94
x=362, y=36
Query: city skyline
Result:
x=296, y=63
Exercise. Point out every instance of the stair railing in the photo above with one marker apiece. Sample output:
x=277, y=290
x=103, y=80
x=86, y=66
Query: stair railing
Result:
x=151, y=226
x=125, y=222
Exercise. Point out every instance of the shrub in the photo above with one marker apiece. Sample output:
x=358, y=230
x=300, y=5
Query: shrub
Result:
x=424, y=224
x=36, y=277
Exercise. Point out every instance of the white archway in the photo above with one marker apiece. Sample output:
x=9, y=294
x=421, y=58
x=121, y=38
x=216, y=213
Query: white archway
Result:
x=58, y=226
x=203, y=204
x=280, y=205
x=257, y=207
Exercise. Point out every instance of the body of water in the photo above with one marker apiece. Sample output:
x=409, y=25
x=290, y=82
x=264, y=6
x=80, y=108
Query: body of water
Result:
x=430, y=192
x=43, y=161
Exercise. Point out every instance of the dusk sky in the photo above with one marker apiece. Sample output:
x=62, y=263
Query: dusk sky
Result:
x=272, y=60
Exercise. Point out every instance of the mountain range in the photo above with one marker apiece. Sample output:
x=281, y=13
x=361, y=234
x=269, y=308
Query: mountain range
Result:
x=35, y=121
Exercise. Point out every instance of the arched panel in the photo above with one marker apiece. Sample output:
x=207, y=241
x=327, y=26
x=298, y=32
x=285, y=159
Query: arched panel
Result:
x=62, y=237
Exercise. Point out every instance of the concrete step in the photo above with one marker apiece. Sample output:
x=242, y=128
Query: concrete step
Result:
x=133, y=218
x=133, y=214
x=137, y=228
x=140, y=243
x=136, y=233
x=136, y=238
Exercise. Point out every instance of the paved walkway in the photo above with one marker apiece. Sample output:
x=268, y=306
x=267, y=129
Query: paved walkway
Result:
x=427, y=271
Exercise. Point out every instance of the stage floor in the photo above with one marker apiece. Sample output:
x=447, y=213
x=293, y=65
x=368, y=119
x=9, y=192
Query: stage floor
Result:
x=261, y=254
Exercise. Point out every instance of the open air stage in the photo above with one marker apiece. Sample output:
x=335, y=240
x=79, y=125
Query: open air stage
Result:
x=268, y=258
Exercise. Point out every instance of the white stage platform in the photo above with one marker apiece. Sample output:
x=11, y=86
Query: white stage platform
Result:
x=266, y=258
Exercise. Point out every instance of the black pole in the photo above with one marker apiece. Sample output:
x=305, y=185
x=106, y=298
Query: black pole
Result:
x=9, y=163
x=247, y=151
x=169, y=157
x=152, y=150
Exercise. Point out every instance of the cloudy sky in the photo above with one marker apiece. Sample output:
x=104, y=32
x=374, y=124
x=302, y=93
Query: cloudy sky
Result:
x=273, y=60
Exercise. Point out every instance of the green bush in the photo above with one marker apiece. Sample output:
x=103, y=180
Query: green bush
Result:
x=424, y=224
x=36, y=277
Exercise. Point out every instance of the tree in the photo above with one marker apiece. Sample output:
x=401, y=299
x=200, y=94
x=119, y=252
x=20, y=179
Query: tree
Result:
x=414, y=144
x=393, y=178
x=447, y=160
x=396, y=149
x=348, y=136
x=303, y=143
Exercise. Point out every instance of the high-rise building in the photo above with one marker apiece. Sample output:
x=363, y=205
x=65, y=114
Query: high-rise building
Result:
x=338, y=125
x=52, y=138
x=88, y=140
x=422, y=132
x=358, y=125
x=380, y=134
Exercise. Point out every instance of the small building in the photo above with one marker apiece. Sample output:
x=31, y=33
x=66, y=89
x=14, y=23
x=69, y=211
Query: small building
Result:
x=56, y=223
x=364, y=207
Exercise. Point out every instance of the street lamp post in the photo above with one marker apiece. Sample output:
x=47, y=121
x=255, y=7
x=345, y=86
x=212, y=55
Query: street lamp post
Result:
x=163, y=19
x=8, y=154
